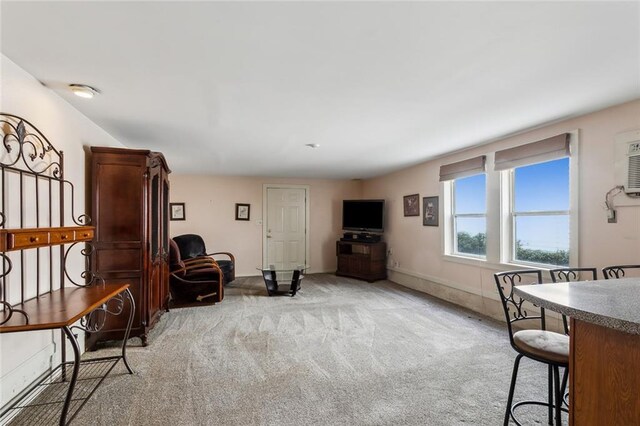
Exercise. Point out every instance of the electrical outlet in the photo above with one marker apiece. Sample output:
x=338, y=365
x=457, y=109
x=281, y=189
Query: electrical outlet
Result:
x=612, y=217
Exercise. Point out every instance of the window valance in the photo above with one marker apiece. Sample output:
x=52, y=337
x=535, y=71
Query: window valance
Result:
x=535, y=152
x=464, y=168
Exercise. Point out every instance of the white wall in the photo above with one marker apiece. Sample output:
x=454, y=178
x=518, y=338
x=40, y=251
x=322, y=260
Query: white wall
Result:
x=24, y=356
x=210, y=212
x=418, y=249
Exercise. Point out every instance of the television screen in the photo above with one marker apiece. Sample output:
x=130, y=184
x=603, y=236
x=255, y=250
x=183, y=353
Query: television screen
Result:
x=363, y=215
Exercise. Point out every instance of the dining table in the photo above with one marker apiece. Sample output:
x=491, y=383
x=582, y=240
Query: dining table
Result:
x=604, y=352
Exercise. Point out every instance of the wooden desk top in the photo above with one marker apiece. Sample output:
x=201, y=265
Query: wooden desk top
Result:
x=60, y=308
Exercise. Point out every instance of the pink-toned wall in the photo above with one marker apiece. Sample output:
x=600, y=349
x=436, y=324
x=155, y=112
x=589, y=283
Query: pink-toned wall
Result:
x=210, y=212
x=418, y=249
x=210, y=203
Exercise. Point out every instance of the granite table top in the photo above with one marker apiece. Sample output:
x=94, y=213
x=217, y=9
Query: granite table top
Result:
x=609, y=303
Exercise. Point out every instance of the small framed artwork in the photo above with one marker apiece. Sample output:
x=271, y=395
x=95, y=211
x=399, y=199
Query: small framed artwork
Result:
x=176, y=211
x=242, y=211
x=430, y=211
x=411, y=205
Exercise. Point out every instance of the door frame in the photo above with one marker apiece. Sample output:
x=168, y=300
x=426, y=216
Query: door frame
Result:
x=265, y=201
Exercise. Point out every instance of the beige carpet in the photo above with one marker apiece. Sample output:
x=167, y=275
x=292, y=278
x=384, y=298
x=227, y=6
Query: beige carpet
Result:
x=341, y=352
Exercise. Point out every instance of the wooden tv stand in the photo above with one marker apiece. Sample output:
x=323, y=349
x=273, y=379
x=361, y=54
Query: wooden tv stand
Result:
x=366, y=261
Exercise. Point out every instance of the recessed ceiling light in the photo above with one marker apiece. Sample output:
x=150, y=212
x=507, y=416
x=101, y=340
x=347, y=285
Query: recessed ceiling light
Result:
x=83, y=90
x=313, y=145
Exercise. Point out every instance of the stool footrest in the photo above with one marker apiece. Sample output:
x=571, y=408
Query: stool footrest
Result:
x=540, y=403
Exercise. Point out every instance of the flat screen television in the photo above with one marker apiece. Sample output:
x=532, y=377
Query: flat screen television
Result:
x=363, y=215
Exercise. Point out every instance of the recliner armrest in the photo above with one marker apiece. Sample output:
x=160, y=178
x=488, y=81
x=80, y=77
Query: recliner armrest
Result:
x=205, y=261
x=226, y=253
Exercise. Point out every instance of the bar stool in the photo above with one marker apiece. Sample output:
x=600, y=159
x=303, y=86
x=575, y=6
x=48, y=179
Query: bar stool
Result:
x=570, y=275
x=617, y=271
x=539, y=344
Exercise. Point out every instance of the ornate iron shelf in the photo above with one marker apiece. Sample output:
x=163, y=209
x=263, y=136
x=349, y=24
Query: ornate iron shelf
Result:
x=33, y=199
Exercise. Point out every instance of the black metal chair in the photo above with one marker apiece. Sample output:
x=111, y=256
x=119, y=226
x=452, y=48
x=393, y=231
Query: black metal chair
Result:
x=570, y=275
x=540, y=345
x=618, y=271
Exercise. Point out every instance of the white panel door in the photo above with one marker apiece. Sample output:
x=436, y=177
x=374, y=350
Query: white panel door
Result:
x=286, y=227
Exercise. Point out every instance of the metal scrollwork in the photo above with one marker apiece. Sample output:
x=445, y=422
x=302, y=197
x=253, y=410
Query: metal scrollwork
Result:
x=88, y=276
x=615, y=271
x=619, y=272
x=22, y=141
x=8, y=312
x=83, y=219
x=513, y=302
x=567, y=275
x=6, y=308
x=94, y=322
x=7, y=265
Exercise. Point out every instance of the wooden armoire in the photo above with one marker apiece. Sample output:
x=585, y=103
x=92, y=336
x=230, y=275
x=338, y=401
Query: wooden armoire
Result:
x=130, y=211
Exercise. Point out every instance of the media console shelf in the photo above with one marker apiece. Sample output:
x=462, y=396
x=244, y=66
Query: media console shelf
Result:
x=35, y=247
x=366, y=261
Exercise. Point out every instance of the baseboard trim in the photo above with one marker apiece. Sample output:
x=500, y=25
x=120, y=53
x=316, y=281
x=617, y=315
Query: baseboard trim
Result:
x=438, y=280
x=467, y=298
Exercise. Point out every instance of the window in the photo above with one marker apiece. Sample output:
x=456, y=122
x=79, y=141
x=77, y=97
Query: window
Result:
x=520, y=211
x=465, y=207
x=540, y=216
x=470, y=216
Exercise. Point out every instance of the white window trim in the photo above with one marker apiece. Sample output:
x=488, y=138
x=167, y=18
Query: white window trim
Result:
x=574, y=200
x=499, y=229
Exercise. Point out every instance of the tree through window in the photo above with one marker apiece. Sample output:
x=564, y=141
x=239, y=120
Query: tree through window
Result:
x=470, y=215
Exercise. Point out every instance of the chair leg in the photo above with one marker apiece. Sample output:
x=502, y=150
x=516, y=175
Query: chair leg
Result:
x=558, y=395
x=512, y=388
x=563, y=386
x=550, y=393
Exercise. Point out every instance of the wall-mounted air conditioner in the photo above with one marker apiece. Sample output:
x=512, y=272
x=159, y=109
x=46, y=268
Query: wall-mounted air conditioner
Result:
x=631, y=167
x=627, y=164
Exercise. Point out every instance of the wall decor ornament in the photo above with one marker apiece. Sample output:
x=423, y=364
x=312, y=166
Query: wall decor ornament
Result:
x=177, y=211
x=430, y=211
x=411, y=205
x=243, y=211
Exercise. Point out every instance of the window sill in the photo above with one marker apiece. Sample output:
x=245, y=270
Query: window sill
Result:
x=474, y=261
x=483, y=263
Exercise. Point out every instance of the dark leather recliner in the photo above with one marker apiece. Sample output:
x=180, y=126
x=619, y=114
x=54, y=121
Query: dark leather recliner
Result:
x=191, y=280
x=192, y=246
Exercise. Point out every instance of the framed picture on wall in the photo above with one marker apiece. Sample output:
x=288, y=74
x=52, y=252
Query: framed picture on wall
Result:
x=243, y=211
x=430, y=211
x=176, y=211
x=411, y=205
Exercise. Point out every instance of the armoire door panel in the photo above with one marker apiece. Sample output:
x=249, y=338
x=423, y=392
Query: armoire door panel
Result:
x=120, y=218
x=119, y=259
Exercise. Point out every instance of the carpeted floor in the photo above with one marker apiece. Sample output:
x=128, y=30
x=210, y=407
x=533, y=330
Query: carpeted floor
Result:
x=341, y=352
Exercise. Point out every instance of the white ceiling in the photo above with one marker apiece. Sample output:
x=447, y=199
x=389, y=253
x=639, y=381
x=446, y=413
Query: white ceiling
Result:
x=239, y=88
